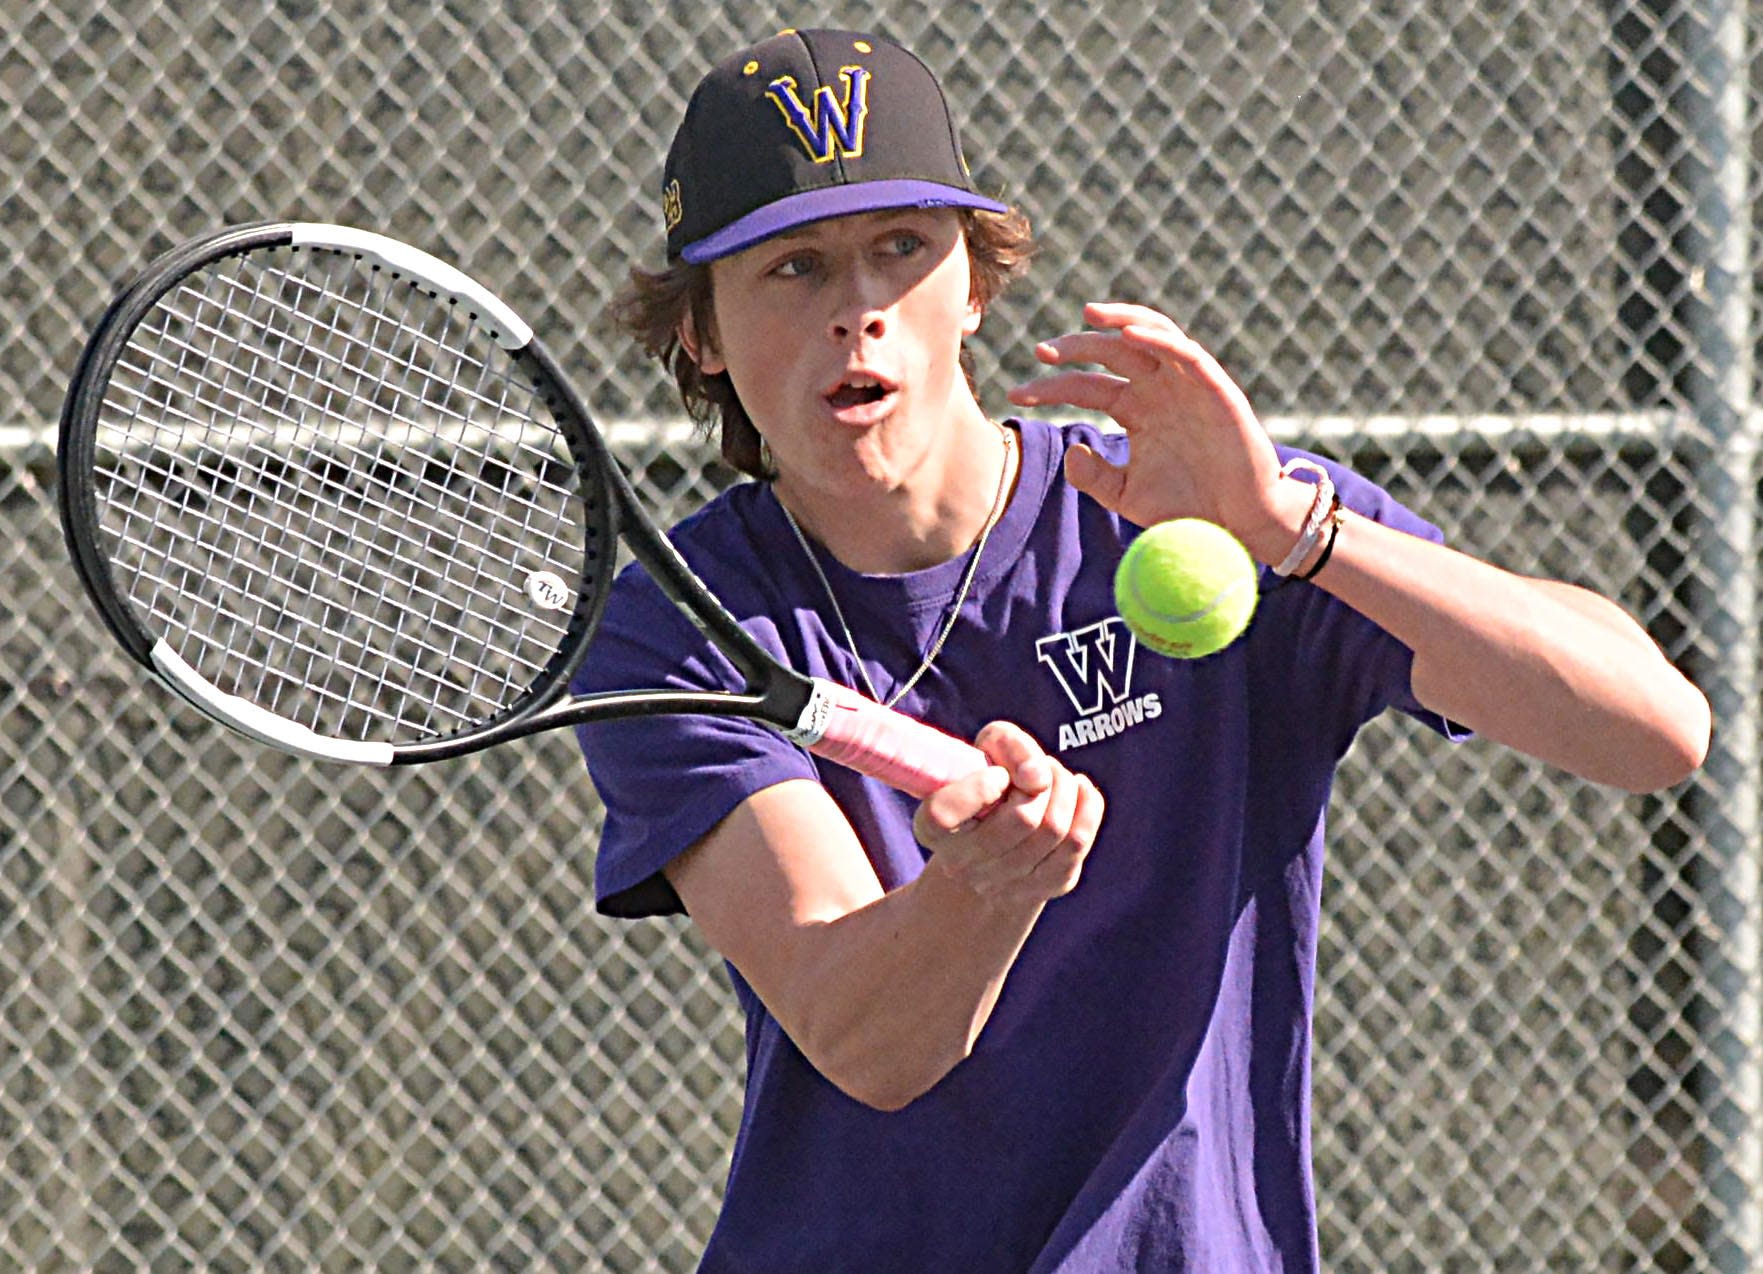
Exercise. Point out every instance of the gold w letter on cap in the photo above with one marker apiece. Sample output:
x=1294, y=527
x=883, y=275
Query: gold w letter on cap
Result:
x=830, y=128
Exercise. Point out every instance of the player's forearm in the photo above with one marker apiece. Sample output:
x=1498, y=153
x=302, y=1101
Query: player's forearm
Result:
x=1549, y=669
x=894, y=995
x=885, y=992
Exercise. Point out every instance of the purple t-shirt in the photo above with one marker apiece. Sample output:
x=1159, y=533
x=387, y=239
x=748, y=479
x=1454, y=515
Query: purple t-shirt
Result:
x=1139, y=1099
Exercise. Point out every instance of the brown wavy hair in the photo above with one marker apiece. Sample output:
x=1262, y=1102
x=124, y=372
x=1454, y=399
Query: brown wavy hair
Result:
x=652, y=306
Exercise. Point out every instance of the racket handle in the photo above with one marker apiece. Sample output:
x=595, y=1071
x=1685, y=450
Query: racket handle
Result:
x=860, y=734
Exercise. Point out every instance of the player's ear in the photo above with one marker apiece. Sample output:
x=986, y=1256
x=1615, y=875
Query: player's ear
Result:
x=976, y=313
x=700, y=351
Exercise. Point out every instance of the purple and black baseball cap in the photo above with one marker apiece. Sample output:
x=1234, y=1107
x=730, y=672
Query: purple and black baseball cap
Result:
x=808, y=125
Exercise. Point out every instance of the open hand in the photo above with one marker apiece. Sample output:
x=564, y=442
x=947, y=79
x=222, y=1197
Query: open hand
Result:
x=1197, y=450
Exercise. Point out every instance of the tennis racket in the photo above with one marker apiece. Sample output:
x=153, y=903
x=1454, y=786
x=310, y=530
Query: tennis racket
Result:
x=332, y=492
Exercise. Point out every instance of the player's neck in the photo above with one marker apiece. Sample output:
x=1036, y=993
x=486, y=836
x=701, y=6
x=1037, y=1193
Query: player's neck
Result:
x=938, y=514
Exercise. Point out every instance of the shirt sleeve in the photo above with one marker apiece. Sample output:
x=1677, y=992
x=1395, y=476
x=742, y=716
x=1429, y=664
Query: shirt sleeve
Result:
x=665, y=781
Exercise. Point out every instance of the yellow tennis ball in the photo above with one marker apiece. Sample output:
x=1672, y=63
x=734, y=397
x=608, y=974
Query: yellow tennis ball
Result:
x=1186, y=588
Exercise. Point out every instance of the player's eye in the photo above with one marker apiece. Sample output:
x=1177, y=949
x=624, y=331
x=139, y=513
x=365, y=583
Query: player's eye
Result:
x=904, y=243
x=794, y=267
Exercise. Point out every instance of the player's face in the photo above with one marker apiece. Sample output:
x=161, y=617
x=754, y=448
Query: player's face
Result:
x=843, y=340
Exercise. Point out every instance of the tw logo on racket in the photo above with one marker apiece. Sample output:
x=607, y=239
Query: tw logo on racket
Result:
x=547, y=591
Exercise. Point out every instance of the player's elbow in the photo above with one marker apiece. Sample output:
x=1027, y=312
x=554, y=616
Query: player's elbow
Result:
x=884, y=1096
x=885, y=1077
x=887, y=1093
x=1679, y=744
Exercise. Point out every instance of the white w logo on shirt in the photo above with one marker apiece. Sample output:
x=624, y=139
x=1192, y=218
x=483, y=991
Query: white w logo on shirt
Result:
x=1093, y=664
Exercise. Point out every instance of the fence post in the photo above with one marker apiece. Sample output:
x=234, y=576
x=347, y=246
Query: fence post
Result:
x=1730, y=1022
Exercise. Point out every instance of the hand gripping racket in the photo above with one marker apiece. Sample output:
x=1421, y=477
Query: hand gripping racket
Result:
x=334, y=493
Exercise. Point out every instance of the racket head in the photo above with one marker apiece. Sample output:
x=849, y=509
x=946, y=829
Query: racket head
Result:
x=332, y=491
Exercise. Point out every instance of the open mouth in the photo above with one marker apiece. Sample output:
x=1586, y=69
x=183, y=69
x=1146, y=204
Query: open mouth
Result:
x=855, y=391
x=855, y=395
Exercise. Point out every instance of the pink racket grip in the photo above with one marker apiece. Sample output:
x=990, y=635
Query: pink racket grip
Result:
x=844, y=726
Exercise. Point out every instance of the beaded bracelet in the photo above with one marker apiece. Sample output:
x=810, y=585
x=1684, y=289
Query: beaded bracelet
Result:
x=1321, y=508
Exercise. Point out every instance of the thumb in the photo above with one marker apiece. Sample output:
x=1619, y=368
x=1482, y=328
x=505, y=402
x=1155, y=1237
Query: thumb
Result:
x=1095, y=477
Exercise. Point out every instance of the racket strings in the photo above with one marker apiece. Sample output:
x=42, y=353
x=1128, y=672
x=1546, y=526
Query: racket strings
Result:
x=303, y=488
x=332, y=493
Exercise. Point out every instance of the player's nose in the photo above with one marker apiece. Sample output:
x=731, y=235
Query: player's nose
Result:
x=871, y=323
x=862, y=307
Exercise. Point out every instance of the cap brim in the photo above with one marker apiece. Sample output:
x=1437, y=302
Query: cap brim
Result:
x=832, y=201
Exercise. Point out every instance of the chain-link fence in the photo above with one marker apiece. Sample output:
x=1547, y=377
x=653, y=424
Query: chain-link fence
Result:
x=263, y=1013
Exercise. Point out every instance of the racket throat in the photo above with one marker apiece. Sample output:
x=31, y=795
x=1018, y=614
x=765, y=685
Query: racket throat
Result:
x=815, y=714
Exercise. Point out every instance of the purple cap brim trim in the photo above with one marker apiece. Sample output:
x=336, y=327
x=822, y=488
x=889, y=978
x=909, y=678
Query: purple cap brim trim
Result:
x=833, y=201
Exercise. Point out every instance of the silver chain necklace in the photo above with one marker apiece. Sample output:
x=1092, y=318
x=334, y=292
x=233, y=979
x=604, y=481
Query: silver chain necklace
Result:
x=936, y=647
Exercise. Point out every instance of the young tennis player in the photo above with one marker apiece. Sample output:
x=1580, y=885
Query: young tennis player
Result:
x=1056, y=1016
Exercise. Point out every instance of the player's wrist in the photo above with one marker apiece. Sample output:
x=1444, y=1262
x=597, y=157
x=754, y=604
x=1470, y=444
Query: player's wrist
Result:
x=1289, y=504
x=973, y=900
